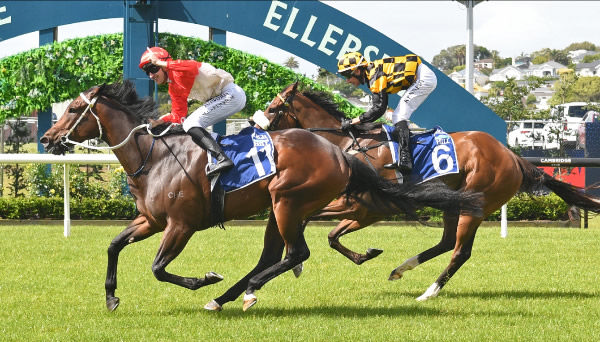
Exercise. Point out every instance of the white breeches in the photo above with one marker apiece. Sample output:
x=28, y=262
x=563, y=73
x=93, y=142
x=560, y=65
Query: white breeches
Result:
x=425, y=83
x=217, y=109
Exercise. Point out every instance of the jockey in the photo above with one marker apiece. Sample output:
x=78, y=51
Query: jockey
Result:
x=199, y=81
x=385, y=76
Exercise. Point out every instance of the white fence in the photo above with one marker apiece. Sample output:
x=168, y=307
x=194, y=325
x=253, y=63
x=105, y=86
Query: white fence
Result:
x=66, y=160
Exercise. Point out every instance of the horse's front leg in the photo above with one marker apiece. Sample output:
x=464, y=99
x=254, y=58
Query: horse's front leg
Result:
x=138, y=230
x=175, y=238
x=271, y=254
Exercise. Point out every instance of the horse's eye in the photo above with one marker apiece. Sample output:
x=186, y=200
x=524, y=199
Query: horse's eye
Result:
x=72, y=110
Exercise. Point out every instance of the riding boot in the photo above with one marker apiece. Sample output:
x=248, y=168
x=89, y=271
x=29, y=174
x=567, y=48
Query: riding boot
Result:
x=204, y=140
x=404, y=157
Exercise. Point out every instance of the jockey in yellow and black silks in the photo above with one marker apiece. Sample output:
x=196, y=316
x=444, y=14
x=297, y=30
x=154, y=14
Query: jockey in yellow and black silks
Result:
x=389, y=76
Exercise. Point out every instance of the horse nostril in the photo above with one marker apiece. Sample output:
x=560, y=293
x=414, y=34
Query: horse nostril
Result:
x=44, y=140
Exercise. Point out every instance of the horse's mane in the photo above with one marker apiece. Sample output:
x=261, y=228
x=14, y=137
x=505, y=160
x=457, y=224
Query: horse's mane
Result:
x=125, y=95
x=324, y=100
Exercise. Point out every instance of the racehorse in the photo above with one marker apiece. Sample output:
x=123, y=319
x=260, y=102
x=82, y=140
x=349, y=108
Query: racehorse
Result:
x=166, y=176
x=485, y=165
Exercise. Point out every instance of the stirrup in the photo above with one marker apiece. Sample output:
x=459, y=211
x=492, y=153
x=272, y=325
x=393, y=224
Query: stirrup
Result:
x=212, y=169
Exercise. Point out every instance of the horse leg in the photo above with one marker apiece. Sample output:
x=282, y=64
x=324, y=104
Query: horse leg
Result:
x=465, y=235
x=290, y=228
x=174, y=240
x=349, y=226
x=446, y=244
x=271, y=254
x=138, y=230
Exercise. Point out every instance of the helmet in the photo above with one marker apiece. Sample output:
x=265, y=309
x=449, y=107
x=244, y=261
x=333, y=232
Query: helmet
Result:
x=349, y=62
x=161, y=53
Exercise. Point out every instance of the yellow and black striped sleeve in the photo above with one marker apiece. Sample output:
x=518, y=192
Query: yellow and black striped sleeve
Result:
x=393, y=74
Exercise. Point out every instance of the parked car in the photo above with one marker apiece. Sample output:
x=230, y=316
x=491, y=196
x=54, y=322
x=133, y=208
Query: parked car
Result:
x=526, y=134
x=567, y=117
x=589, y=116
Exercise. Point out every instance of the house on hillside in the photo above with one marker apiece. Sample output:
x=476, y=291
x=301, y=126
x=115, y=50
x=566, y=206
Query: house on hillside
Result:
x=588, y=69
x=542, y=95
x=486, y=63
x=578, y=55
x=502, y=75
x=549, y=68
x=460, y=77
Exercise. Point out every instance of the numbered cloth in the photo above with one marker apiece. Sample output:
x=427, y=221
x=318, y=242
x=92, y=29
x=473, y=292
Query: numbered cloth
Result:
x=252, y=153
x=433, y=153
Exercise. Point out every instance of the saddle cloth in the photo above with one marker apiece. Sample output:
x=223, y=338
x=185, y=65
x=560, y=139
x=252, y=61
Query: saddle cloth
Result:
x=432, y=151
x=251, y=150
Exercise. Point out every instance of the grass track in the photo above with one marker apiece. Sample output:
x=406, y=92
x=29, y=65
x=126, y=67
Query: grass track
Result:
x=535, y=285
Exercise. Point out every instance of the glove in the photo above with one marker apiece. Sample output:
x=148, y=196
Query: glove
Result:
x=346, y=124
x=154, y=123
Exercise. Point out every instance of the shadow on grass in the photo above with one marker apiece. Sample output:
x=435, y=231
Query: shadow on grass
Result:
x=233, y=310
x=510, y=294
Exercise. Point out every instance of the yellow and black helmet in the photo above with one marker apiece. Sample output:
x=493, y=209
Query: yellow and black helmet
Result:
x=349, y=62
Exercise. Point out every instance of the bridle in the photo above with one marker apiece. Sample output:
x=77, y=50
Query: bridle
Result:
x=65, y=138
x=285, y=109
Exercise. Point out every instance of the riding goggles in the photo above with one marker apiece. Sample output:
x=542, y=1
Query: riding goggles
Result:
x=151, y=69
x=347, y=73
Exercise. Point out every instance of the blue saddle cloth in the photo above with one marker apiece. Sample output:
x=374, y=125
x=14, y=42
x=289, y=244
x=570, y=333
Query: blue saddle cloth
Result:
x=433, y=153
x=251, y=150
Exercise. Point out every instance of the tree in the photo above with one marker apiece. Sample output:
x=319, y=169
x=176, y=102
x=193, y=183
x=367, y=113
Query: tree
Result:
x=291, y=63
x=509, y=99
x=581, y=46
x=456, y=55
x=19, y=137
x=591, y=58
x=562, y=88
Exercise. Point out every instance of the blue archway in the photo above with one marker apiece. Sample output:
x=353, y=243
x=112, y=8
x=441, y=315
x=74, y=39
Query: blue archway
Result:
x=309, y=29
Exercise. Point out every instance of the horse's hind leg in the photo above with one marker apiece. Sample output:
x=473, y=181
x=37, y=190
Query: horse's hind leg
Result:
x=138, y=230
x=465, y=235
x=446, y=244
x=290, y=227
x=271, y=254
x=346, y=227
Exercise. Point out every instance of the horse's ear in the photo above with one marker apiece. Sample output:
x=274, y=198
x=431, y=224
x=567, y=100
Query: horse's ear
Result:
x=295, y=87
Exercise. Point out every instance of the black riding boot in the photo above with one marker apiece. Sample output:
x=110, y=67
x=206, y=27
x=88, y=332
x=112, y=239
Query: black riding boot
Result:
x=204, y=140
x=404, y=158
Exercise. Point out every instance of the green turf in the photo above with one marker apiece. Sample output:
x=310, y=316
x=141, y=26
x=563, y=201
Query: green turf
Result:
x=534, y=285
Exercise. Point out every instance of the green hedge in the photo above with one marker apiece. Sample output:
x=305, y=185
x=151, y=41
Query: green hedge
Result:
x=520, y=208
x=53, y=208
x=35, y=79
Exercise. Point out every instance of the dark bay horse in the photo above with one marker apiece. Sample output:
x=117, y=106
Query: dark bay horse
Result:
x=167, y=179
x=485, y=165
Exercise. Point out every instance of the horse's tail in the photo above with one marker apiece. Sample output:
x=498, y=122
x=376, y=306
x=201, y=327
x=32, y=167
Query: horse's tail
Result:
x=387, y=197
x=535, y=179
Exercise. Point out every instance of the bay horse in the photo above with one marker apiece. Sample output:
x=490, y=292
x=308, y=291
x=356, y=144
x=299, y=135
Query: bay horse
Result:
x=166, y=176
x=485, y=165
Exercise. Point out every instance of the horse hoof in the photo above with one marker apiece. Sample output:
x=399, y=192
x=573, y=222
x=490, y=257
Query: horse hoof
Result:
x=213, y=306
x=298, y=269
x=249, y=301
x=112, y=303
x=212, y=278
x=394, y=275
x=373, y=252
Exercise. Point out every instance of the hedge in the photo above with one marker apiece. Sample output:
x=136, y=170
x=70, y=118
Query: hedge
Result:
x=521, y=207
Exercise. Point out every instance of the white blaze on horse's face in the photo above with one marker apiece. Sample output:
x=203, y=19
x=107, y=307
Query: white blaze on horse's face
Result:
x=260, y=119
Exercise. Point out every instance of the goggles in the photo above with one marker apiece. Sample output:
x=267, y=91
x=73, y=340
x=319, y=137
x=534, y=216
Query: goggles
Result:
x=151, y=69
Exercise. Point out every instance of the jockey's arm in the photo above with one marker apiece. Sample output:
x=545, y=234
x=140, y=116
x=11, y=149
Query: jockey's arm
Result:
x=378, y=107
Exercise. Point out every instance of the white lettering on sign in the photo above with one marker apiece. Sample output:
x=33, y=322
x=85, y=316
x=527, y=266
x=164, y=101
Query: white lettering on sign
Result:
x=335, y=38
x=4, y=21
x=328, y=39
x=272, y=14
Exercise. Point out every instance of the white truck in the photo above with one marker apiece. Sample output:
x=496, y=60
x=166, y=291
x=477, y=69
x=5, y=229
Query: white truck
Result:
x=567, y=118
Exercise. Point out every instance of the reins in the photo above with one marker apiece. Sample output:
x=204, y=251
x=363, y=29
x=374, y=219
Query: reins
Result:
x=65, y=138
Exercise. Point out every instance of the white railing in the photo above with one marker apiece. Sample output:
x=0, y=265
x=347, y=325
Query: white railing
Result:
x=66, y=160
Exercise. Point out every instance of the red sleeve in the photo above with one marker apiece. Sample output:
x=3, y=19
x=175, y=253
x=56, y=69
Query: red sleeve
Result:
x=182, y=74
